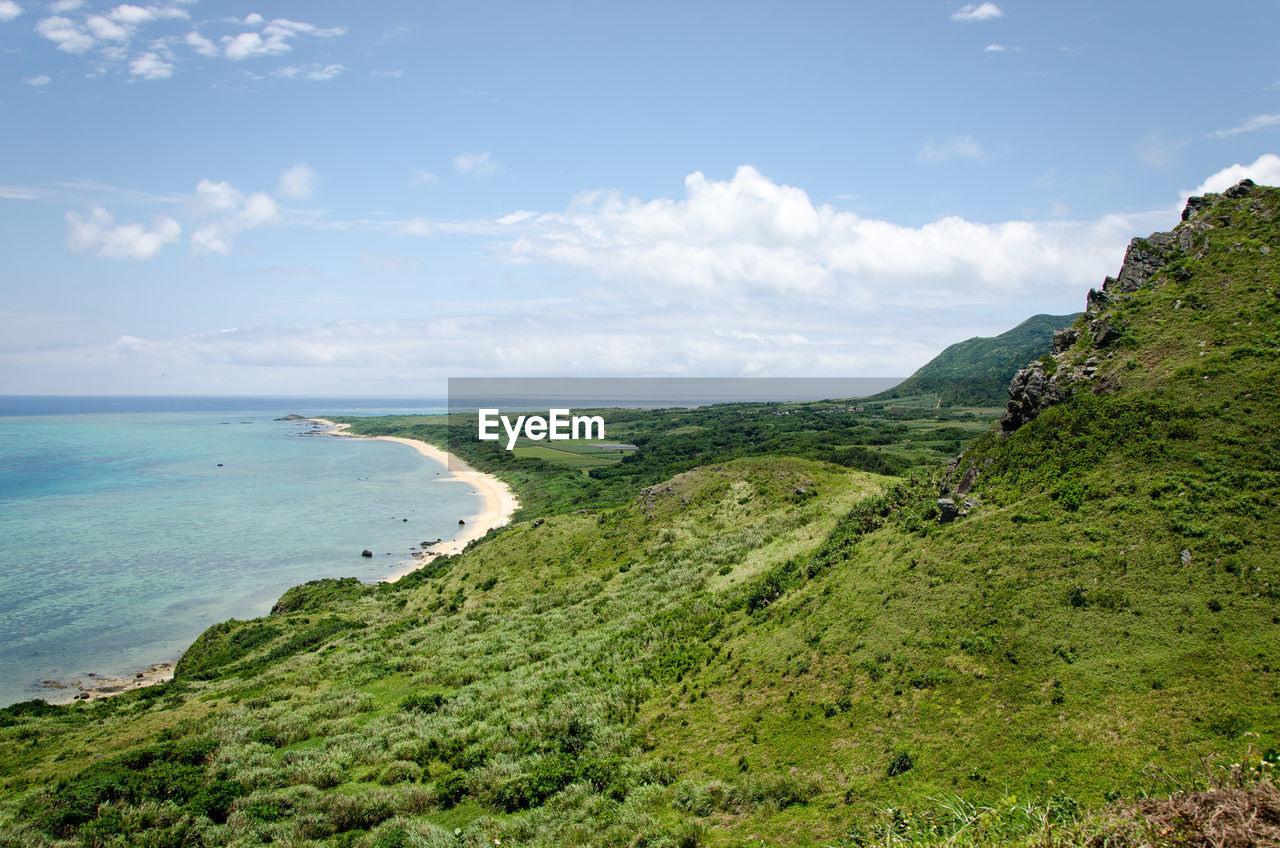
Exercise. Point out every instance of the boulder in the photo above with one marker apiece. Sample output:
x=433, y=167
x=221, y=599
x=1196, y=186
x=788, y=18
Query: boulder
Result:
x=1241, y=189
x=1096, y=301
x=1104, y=332
x=366, y=553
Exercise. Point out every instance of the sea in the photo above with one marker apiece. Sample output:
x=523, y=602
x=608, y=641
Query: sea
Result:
x=130, y=525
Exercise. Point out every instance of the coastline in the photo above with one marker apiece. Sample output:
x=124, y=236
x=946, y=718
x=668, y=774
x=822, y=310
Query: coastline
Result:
x=499, y=505
x=499, y=501
x=106, y=687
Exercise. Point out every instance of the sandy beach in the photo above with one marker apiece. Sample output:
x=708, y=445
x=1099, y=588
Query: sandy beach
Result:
x=499, y=502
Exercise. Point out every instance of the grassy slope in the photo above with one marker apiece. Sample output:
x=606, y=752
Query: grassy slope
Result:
x=767, y=649
x=975, y=372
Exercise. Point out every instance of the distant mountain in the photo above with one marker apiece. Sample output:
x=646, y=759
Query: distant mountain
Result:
x=977, y=371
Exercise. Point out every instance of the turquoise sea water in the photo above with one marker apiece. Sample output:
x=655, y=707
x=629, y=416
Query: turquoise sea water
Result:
x=122, y=538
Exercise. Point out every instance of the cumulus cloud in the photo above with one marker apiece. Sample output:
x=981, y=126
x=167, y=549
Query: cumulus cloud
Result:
x=1002, y=48
x=109, y=32
x=274, y=38
x=977, y=12
x=65, y=33
x=151, y=67
x=43, y=79
x=133, y=15
x=1264, y=170
x=201, y=45
x=9, y=10
x=224, y=210
x=476, y=164
x=749, y=234
x=107, y=29
x=1252, y=124
x=298, y=182
x=958, y=147
x=98, y=233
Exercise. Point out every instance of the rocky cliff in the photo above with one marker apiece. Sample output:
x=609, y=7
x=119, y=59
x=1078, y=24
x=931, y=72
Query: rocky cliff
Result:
x=1082, y=352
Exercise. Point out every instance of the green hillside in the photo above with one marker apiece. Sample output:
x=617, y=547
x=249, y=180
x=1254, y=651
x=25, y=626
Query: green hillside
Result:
x=778, y=649
x=976, y=372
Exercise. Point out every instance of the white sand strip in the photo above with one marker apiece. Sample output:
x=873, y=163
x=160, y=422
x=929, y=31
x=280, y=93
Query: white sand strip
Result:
x=499, y=502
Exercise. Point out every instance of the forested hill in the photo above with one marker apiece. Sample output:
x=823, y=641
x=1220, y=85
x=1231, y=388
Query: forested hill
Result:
x=976, y=372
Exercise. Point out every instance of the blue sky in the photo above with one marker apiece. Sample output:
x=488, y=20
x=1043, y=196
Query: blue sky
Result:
x=332, y=198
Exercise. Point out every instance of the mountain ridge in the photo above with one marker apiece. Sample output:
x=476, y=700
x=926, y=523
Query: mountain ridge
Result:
x=975, y=372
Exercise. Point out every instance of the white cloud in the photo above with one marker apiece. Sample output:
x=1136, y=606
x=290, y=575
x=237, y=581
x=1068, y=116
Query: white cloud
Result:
x=9, y=10
x=65, y=6
x=1002, y=48
x=476, y=164
x=132, y=15
x=43, y=79
x=313, y=72
x=1155, y=150
x=298, y=182
x=978, y=12
x=1252, y=124
x=150, y=66
x=751, y=235
x=107, y=29
x=1265, y=170
x=248, y=44
x=99, y=234
x=396, y=74
x=225, y=211
x=959, y=147
x=274, y=38
x=201, y=45
x=65, y=33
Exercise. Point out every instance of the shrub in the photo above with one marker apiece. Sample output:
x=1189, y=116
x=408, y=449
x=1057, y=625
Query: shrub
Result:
x=421, y=703
x=451, y=787
x=400, y=771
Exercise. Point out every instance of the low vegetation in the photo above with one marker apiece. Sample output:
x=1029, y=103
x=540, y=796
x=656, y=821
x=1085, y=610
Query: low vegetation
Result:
x=747, y=641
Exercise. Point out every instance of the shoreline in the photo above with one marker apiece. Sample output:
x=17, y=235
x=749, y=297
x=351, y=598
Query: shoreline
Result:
x=499, y=501
x=106, y=686
x=498, y=507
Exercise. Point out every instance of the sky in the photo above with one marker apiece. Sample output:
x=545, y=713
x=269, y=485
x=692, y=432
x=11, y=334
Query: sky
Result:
x=327, y=198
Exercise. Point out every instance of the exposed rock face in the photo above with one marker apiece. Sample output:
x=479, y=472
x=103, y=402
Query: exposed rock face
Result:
x=1141, y=262
x=1031, y=392
x=1040, y=386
